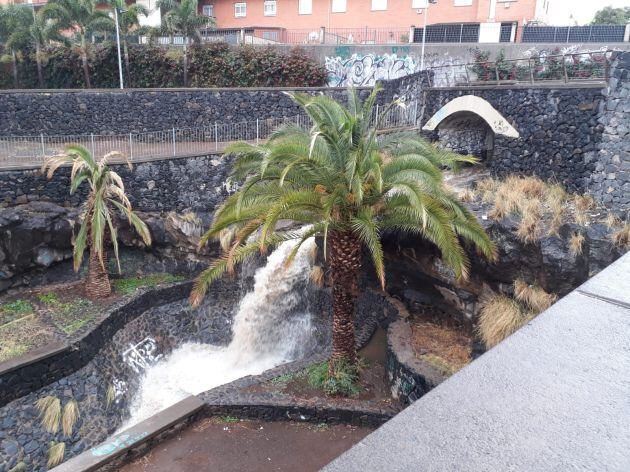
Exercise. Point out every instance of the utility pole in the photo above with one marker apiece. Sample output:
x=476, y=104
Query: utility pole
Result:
x=120, y=72
x=424, y=32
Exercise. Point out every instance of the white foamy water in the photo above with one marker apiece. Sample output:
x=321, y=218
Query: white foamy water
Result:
x=271, y=327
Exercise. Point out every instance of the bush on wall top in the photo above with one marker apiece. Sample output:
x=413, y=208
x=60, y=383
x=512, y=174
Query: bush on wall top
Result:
x=215, y=65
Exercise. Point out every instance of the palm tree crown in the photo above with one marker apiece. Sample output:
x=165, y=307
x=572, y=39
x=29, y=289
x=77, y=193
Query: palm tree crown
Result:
x=350, y=185
x=106, y=193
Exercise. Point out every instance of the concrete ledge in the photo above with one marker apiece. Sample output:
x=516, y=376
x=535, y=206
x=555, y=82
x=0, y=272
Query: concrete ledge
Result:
x=553, y=396
x=124, y=442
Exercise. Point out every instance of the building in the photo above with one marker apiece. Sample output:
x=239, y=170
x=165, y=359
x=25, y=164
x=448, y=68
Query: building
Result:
x=484, y=18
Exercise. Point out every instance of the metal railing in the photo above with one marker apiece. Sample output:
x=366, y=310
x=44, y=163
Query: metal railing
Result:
x=574, y=34
x=30, y=151
x=570, y=67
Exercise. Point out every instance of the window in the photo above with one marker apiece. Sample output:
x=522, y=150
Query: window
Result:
x=338, y=6
x=379, y=4
x=419, y=3
x=269, y=8
x=208, y=10
x=305, y=7
x=462, y=3
x=240, y=10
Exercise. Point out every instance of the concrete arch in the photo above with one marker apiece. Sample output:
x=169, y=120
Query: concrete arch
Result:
x=477, y=105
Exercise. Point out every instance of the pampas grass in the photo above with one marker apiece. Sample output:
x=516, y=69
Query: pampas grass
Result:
x=576, y=243
x=49, y=413
x=110, y=395
x=499, y=317
x=69, y=417
x=56, y=454
x=621, y=237
x=533, y=296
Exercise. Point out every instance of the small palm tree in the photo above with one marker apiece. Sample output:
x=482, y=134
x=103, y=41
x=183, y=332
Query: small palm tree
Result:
x=84, y=18
x=107, y=192
x=13, y=18
x=183, y=18
x=350, y=186
x=128, y=23
x=35, y=31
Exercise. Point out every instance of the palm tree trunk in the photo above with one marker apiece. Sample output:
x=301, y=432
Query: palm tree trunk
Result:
x=84, y=61
x=345, y=262
x=97, y=284
x=185, y=64
x=14, y=65
x=38, y=60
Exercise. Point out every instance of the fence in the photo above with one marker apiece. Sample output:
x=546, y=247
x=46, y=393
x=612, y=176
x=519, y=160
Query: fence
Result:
x=587, y=66
x=570, y=34
x=28, y=151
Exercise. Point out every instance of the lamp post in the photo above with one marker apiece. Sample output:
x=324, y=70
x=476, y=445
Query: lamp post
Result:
x=424, y=31
x=120, y=72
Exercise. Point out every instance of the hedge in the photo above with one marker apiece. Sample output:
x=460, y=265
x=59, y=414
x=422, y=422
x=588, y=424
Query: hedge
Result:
x=215, y=65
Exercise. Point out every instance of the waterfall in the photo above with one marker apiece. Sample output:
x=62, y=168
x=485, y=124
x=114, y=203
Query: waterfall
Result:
x=272, y=326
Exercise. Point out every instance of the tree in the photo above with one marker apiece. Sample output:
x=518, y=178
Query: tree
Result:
x=350, y=186
x=84, y=18
x=183, y=18
x=612, y=16
x=106, y=193
x=35, y=31
x=128, y=23
x=13, y=18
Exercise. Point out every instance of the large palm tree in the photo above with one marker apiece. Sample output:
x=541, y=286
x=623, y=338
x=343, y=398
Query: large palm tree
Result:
x=37, y=30
x=128, y=23
x=106, y=193
x=84, y=18
x=13, y=17
x=350, y=185
x=183, y=18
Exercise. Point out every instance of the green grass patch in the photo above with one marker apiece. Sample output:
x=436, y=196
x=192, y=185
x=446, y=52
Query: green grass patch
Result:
x=344, y=380
x=71, y=316
x=13, y=310
x=228, y=419
x=49, y=298
x=128, y=285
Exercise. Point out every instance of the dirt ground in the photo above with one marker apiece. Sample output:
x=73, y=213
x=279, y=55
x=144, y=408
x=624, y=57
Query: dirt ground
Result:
x=227, y=445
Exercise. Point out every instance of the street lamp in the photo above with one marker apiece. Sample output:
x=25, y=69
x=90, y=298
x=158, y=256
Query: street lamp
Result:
x=120, y=73
x=424, y=31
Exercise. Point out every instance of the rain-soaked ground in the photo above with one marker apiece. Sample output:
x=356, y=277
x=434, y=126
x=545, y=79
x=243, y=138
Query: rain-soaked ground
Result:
x=227, y=444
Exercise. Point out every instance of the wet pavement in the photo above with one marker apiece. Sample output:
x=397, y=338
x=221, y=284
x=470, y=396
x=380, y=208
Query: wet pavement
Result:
x=227, y=445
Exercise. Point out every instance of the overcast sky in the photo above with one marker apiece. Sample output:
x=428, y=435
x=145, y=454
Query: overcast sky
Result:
x=583, y=11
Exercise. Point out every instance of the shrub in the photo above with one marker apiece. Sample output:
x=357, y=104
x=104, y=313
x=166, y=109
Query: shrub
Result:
x=499, y=317
x=342, y=382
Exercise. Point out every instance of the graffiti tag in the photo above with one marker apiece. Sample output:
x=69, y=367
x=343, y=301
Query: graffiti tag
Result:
x=142, y=355
x=117, y=443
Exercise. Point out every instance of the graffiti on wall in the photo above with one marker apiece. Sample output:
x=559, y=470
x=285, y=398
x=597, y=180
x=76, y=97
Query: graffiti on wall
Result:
x=141, y=355
x=365, y=69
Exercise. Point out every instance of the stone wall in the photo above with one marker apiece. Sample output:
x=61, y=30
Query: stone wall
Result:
x=68, y=112
x=557, y=126
x=610, y=180
x=191, y=183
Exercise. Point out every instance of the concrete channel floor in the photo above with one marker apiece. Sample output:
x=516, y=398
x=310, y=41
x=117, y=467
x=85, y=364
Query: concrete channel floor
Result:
x=211, y=445
x=555, y=396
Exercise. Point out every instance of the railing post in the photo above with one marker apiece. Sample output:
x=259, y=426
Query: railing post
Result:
x=564, y=68
x=174, y=142
x=531, y=71
x=130, y=147
x=216, y=136
x=257, y=132
x=93, y=150
x=496, y=72
x=412, y=33
x=376, y=119
x=41, y=135
x=322, y=35
x=467, y=75
x=242, y=35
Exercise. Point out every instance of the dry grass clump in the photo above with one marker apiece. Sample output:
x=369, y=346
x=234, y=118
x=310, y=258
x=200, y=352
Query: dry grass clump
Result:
x=49, y=413
x=69, y=417
x=499, y=317
x=56, y=454
x=612, y=221
x=576, y=243
x=467, y=195
x=530, y=228
x=621, y=237
x=533, y=296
